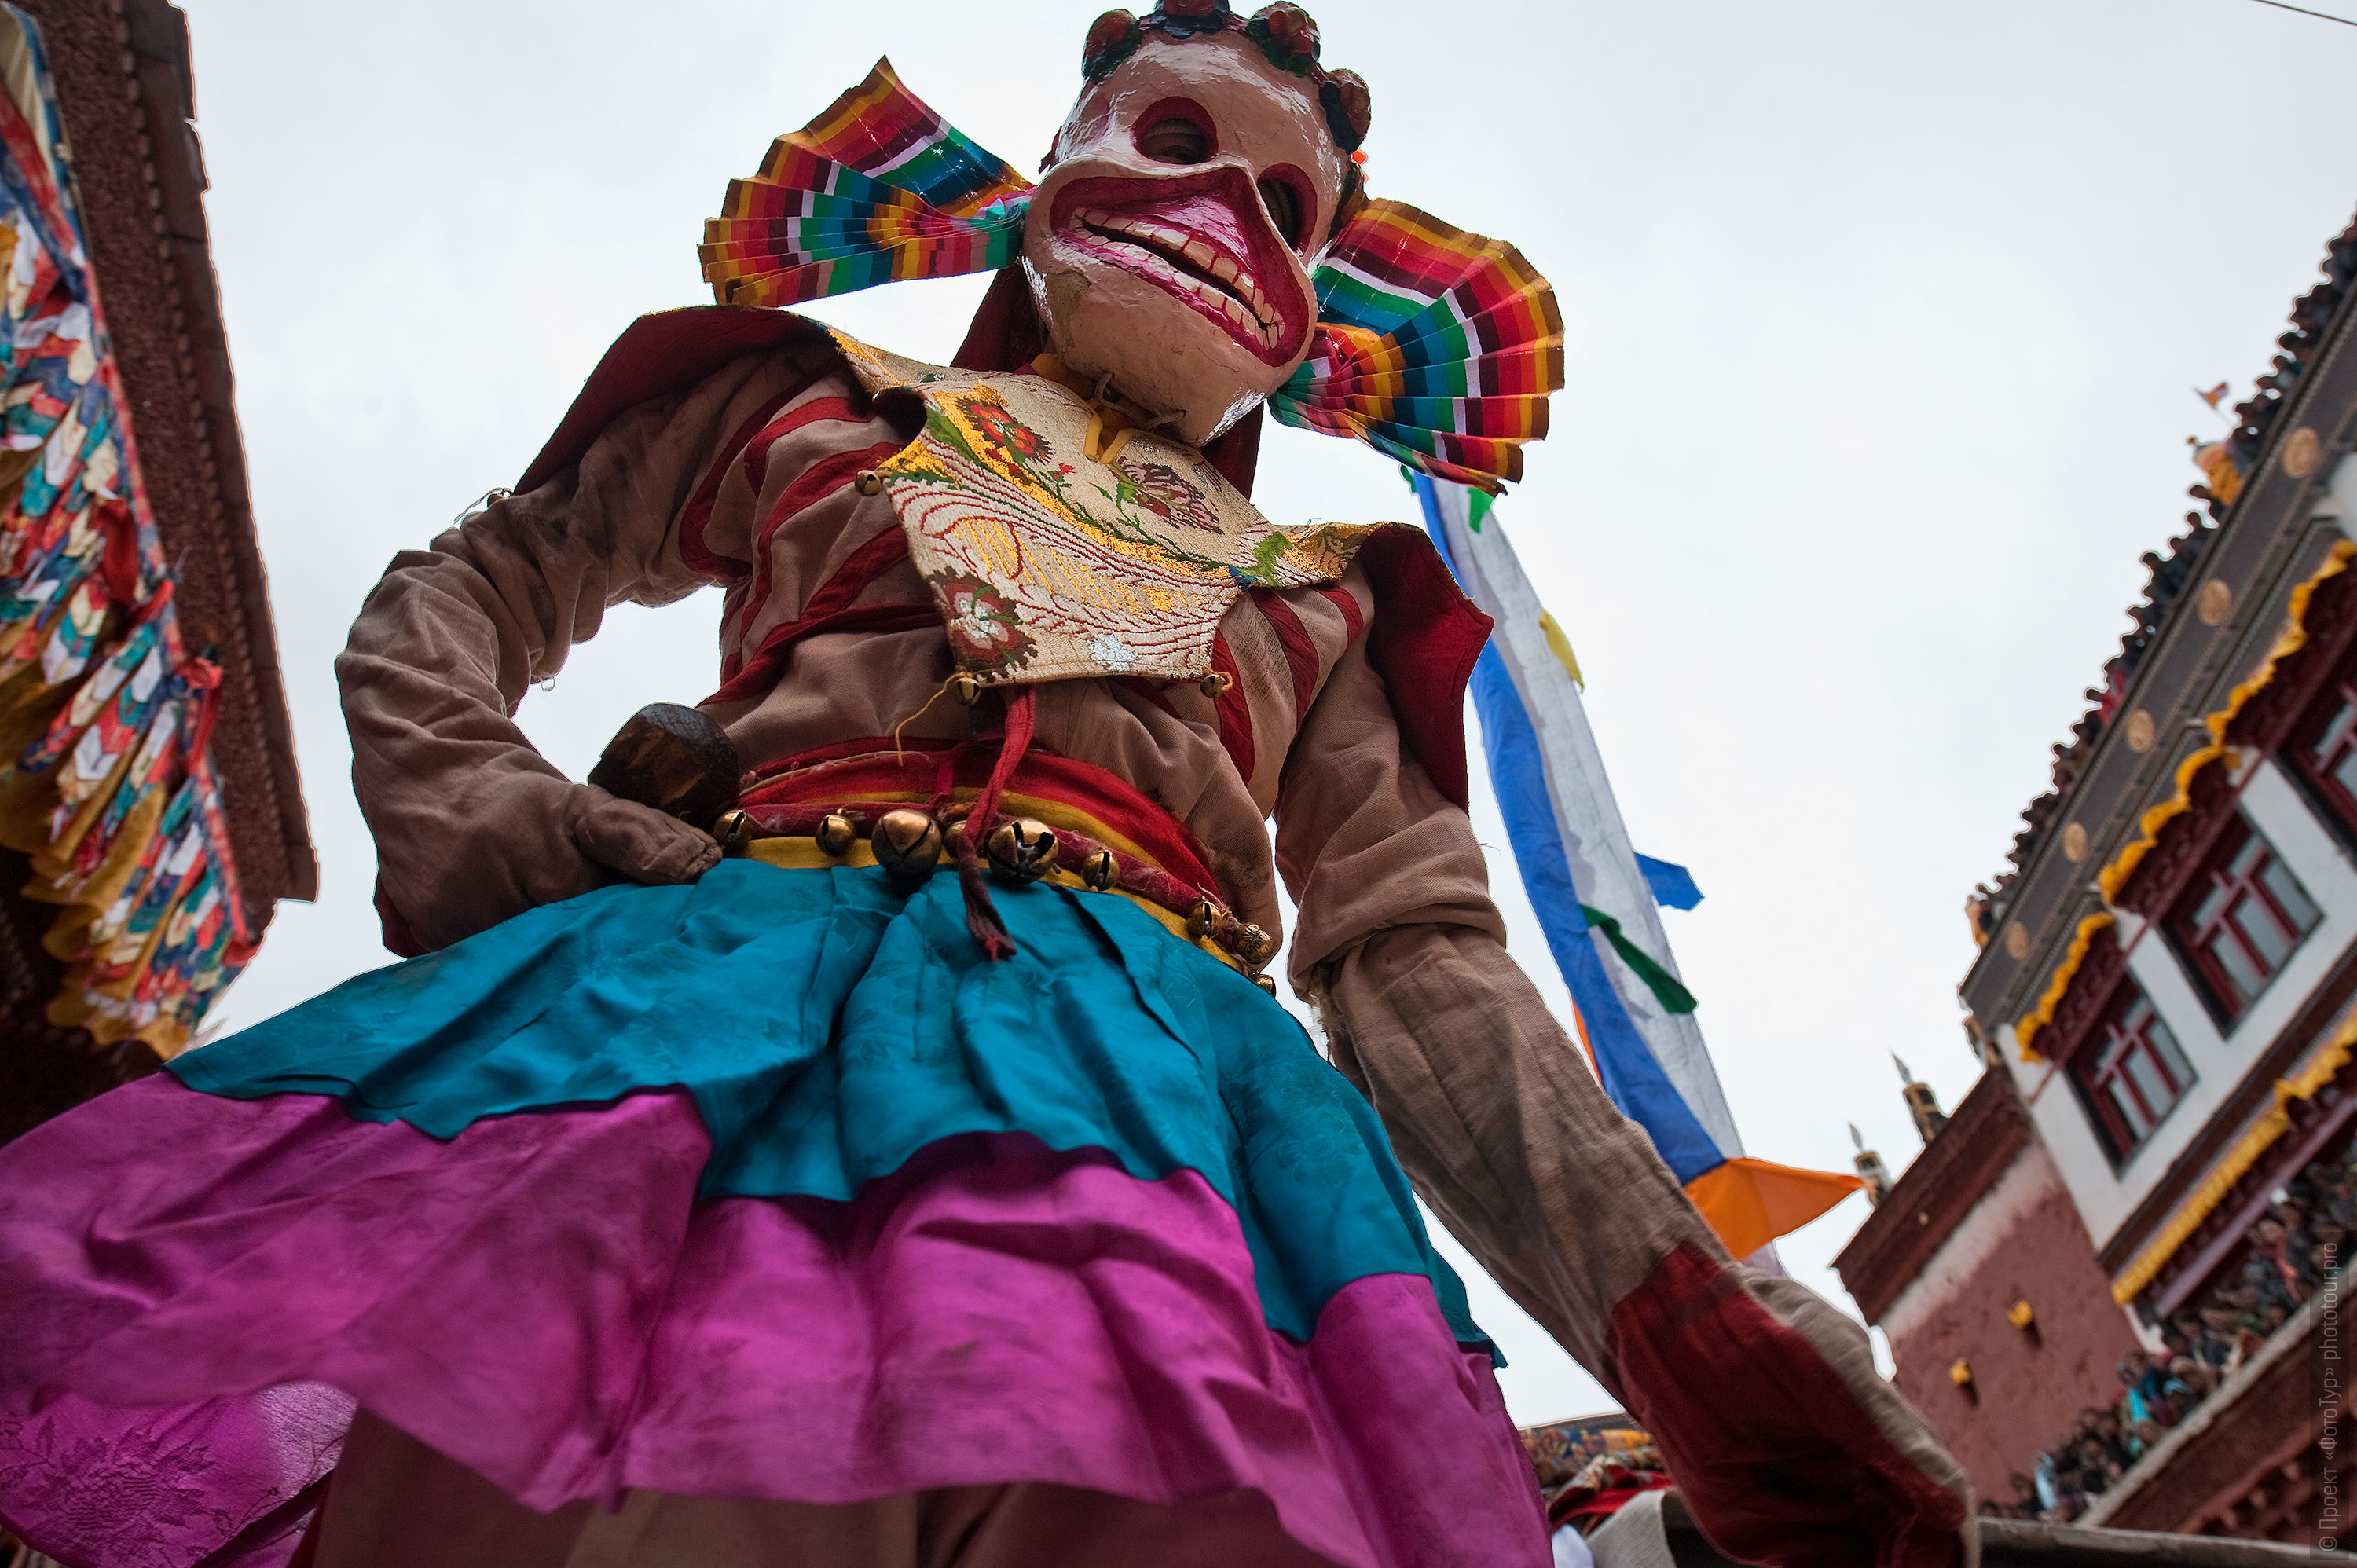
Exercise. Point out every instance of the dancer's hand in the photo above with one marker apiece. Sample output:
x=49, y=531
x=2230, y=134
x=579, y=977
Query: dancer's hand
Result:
x=533, y=838
x=639, y=842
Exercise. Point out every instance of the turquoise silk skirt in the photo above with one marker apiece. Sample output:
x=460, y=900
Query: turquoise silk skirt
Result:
x=772, y=1187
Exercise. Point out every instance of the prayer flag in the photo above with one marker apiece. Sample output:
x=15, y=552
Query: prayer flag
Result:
x=1596, y=898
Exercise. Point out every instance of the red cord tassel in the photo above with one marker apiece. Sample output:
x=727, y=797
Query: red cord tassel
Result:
x=982, y=922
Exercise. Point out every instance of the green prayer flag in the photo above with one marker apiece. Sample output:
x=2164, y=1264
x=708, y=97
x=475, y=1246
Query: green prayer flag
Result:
x=1672, y=996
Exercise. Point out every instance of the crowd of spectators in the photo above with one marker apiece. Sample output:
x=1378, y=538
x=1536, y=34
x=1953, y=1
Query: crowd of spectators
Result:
x=2294, y=1247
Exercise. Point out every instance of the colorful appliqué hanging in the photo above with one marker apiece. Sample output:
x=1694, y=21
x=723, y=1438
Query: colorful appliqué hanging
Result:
x=106, y=778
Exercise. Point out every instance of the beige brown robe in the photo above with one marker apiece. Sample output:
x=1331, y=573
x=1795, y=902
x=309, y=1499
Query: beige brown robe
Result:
x=1764, y=1399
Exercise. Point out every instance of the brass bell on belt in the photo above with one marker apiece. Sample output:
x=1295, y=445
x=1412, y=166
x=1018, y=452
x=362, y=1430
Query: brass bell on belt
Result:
x=908, y=844
x=1215, y=685
x=1266, y=983
x=1101, y=871
x=1255, y=945
x=1023, y=850
x=836, y=834
x=964, y=689
x=1201, y=919
x=867, y=482
x=735, y=832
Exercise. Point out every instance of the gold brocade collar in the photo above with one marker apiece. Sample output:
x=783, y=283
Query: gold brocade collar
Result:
x=1062, y=536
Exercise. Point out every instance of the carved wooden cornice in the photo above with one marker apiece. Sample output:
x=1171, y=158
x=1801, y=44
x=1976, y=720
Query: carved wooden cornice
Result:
x=2082, y=1007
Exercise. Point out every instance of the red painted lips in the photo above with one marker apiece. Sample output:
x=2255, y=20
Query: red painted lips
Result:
x=1202, y=239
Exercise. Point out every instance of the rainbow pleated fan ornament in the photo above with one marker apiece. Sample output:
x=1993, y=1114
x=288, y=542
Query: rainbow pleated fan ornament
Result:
x=877, y=190
x=1436, y=346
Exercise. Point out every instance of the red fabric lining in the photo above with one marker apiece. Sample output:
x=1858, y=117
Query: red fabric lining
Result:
x=1236, y=451
x=1301, y=653
x=668, y=352
x=1423, y=641
x=823, y=479
x=1234, y=711
x=399, y=941
x=1805, y=1479
x=1005, y=333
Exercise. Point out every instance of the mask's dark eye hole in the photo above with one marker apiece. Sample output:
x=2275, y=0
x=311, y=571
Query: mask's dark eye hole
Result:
x=1284, y=205
x=1168, y=135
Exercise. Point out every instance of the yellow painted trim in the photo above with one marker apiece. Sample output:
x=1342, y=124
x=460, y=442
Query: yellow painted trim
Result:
x=2238, y=1161
x=2115, y=875
x=2043, y=1013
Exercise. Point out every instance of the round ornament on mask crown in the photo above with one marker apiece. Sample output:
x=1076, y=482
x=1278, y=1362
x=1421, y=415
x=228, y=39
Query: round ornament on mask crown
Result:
x=1348, y=106
x=1286, y=34
x=1112, y=38
x=1185, y=19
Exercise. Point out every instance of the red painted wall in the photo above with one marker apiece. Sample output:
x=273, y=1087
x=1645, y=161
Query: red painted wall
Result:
x=2028, y=1390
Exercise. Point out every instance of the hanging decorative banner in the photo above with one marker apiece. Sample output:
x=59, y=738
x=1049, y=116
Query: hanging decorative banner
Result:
x=1596, y=898
x=106, y=715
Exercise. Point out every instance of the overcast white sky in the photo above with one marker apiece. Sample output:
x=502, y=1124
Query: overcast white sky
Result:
x=1882, y=321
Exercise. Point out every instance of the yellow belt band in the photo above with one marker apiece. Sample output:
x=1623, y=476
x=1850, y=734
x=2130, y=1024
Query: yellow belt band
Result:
x=803, y=854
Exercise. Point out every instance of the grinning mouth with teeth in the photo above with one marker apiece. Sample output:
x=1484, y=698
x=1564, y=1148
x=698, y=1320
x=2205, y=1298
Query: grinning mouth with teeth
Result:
x=1191, y=266
x=1201, y=240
